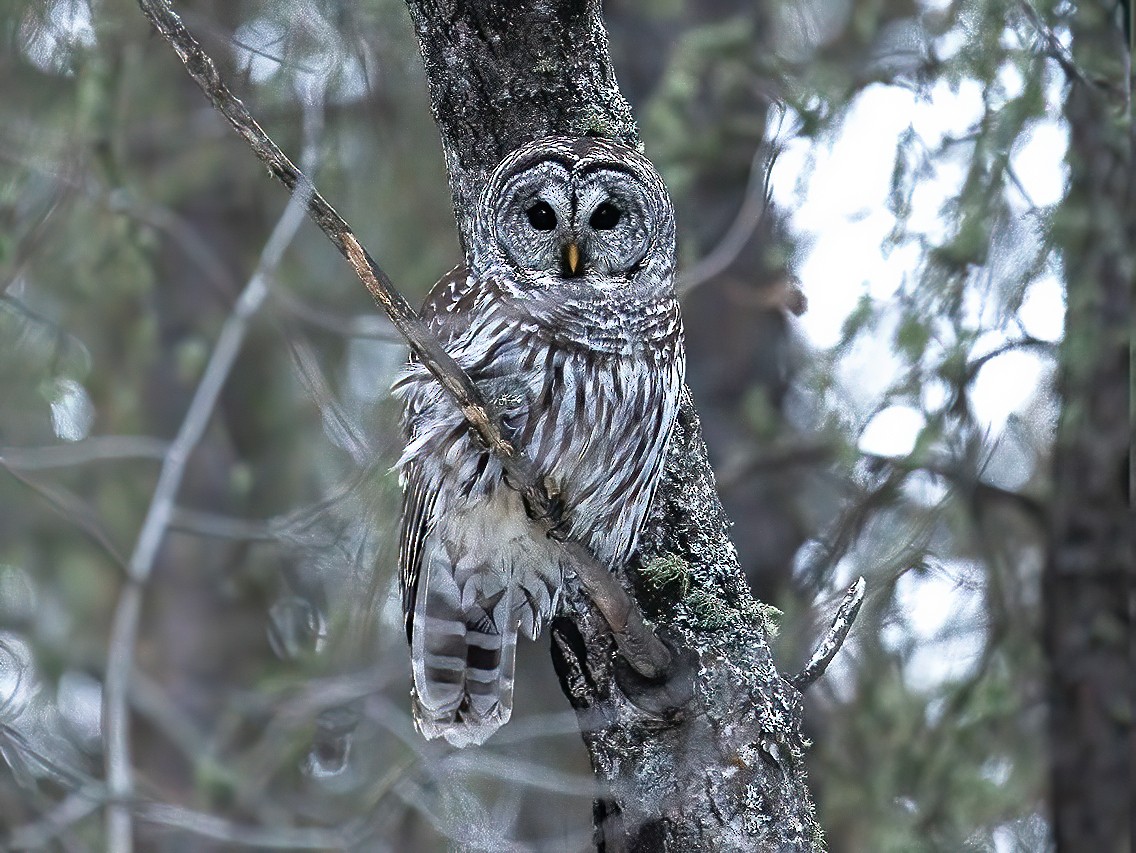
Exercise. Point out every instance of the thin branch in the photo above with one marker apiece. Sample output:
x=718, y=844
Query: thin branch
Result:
x=749, y=217
x=1027, y=342
x=185, y=236
x=65, y=772
x=518, y=771
x=74, y=808
x=825, y=452
x=642, y=649
x=1053, y=47
x=94, y=449
x=348, y=436
x=233, y=834
x=841, y=624
x=151, y=701
x=370, y=326
x=216, y=526
x=71, y=507
x=124, y=629
x=964, y=480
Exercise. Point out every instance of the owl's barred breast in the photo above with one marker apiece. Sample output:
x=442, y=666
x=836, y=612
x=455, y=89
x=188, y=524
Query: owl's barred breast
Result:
x=595, y=422
x=566, y=319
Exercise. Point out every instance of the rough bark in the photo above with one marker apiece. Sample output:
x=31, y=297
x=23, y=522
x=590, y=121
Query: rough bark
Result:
x=717, y=767
x=1091, y=571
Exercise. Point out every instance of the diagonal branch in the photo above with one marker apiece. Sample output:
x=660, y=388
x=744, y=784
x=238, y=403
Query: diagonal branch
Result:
x=837, y=633
x=645, y=652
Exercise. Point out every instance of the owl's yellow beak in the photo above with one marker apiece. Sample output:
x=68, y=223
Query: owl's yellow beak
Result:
x=572, y=258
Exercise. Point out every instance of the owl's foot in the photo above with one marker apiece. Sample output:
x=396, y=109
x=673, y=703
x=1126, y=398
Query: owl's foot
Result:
x=547, y=509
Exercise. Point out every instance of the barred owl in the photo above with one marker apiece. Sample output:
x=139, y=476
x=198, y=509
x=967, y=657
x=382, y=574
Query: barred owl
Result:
x=566, y=319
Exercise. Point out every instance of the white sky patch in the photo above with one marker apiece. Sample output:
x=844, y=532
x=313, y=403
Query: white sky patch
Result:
x=929, y=196
x=869, y=368
x=1042, y=314
x=835, y=191
x=845, y=262
x=944, y=617
x=934, y=394
x=892, y=431
x=949, y=110
x=950, y=42
x=853, y=170
x=1003, y=386
x=1038, y=161
x=256, y=44
x=1010, y=79
x=838, y=198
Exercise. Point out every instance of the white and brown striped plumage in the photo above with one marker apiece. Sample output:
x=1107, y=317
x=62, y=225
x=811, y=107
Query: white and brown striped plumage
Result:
x=568, y=323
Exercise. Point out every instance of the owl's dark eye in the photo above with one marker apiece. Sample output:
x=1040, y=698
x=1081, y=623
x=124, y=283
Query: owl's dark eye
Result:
x=541, y=216
x=605, y=217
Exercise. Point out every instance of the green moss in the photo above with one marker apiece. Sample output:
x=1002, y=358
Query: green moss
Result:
x=712, y=612
x=708, y=610
x=667, y=570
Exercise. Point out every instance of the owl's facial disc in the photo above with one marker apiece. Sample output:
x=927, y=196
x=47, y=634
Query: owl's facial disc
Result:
x=613, y=226
x=594, y=225
x=535, y=223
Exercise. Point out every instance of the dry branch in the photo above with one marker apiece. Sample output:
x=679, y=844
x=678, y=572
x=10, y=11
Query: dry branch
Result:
x=636, y=642
x=834, y=639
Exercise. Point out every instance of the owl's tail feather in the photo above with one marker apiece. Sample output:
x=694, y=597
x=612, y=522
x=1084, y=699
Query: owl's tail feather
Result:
x=464, y=657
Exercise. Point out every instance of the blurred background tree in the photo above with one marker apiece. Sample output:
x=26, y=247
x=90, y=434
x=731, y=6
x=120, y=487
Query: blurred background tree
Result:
x=874, y=216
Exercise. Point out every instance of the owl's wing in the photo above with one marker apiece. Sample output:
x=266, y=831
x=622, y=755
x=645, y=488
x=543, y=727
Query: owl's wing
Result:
x=443, y=313
x=417, y=511
x=448, y=302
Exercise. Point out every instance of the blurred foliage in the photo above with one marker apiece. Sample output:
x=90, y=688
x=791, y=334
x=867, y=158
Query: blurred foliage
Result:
x=270, y=688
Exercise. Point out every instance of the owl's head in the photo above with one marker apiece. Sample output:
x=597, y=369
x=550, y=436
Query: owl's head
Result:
x=574, y=214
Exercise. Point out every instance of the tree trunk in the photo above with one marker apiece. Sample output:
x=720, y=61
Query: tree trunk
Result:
x=718, y=768
x=1089, y=579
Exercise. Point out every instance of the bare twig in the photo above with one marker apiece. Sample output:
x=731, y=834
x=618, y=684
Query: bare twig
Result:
x=217, y=526
x=94, y=449
x=642, y=649
x=1026, y=342
x=963, y=480
x=826, y=452
x=71, y=507
x=518, y=771
x=347, y=435
x=124, y=629
x=749, y=216
x=237, y=835
x=71, y=810
x=370, y=326
x=193, y=245
x=1053, y=47
x=841, y=624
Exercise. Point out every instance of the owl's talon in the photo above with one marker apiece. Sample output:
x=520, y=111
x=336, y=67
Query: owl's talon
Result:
x=553, y=514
